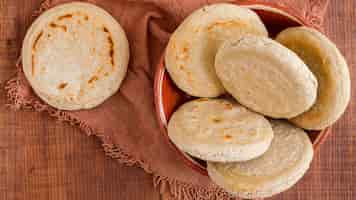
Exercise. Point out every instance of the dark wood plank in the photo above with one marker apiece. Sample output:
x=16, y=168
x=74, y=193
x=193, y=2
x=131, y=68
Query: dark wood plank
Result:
x=44, y=159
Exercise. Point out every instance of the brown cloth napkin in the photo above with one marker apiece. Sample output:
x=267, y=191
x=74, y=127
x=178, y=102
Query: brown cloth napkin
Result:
x=126, y=122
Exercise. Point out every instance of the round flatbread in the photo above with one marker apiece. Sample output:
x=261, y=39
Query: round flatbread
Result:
x=266, y=77
x=191, y=49
x=219, y=130
x=75, y=56
x=330, y=68
x=284, y=163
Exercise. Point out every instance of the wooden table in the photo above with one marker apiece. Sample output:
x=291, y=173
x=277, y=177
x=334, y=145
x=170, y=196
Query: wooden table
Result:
x=43, y=159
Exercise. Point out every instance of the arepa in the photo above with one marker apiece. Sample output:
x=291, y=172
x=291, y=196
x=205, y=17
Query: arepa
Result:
x=284, y=163
x=219, y=130
x=331, y=70
x=266, y=77
x=191, y=50
x=75, y=56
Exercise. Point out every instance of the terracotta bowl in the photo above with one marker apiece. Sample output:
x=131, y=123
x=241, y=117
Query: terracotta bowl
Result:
x=168, y=97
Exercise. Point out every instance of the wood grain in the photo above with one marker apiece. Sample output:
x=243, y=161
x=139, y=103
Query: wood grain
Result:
x=42, y=159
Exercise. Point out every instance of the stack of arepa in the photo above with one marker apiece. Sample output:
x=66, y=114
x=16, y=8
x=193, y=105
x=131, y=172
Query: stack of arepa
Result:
x=255, y=95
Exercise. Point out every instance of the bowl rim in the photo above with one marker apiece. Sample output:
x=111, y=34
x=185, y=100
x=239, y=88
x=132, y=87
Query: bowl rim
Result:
x=161, y=72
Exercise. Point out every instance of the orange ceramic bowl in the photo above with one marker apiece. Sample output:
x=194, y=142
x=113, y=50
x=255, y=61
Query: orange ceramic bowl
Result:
x=168, y=97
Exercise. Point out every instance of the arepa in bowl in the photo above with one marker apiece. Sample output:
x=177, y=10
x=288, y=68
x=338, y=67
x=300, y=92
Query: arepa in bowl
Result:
x=265, y=76
x=284, y=163
x=219, y=130
x=75, y=56
x=330, y=68
x=192, y=47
